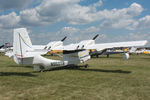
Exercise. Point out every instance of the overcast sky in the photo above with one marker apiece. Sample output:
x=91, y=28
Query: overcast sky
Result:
x=51, y=20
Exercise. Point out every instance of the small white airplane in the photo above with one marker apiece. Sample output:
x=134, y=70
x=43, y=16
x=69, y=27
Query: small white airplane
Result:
x=4, y=48
x=24, y=53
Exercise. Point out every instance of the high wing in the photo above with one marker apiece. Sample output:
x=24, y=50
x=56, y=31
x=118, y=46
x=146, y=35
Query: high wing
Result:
x=81, y=45
x=102, y=46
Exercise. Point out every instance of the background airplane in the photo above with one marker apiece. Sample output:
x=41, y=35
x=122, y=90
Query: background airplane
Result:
x=4, y=48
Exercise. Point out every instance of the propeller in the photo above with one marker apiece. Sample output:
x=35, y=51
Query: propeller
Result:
x=64, y=38
x=77, y=47
x=95, y=37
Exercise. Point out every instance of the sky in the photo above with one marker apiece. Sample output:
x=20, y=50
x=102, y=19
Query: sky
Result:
x=51, y=20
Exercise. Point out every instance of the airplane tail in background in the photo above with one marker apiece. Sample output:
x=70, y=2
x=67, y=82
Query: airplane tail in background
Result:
x=21, y=44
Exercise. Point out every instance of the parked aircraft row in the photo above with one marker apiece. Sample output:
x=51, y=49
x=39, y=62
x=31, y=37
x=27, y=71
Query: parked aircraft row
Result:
x=25, y=53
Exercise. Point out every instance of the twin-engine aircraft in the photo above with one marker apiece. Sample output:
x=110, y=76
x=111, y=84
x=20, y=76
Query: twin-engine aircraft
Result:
x=25, y=54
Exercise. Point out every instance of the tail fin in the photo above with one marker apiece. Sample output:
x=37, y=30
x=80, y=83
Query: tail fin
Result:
x=21, y=43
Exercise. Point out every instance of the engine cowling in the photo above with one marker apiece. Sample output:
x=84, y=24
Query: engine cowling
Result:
x=125, y=56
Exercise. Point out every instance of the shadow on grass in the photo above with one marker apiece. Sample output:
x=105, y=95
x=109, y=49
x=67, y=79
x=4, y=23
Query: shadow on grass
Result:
x=20, y=66
x=148, y=59
x=85, y=69
x=111, y=57
x=108, y=71
x=27, y=74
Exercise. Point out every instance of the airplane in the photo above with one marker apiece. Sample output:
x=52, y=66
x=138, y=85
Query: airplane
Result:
x=106, y=52
x=113, y=51
x=24, y=53
x=4, y=48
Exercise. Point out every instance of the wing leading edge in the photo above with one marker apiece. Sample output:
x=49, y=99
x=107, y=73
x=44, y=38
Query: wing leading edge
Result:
x=117, y=44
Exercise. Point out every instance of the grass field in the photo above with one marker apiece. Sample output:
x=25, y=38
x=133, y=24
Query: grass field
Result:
x=105, y=79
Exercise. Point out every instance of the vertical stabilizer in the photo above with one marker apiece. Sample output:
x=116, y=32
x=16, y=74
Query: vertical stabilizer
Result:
x=21, y=44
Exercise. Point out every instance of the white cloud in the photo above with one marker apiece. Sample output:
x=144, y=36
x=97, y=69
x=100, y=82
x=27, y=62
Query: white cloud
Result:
x=69, y=30
x=70, y=11
x=121, y=18
x=30, y=17
x=51, y=11
x=144, y=22
x=14, y=4
x=9, y=21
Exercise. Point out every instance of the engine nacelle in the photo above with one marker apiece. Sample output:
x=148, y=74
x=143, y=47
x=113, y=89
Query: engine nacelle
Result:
x=125, y=56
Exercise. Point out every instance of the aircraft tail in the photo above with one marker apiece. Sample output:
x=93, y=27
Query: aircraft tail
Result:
x=21, y=44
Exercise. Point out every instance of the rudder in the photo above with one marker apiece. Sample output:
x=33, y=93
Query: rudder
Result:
x=21, y=44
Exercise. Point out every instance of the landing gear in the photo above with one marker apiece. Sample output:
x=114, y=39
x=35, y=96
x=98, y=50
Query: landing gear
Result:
x=97, y=56
x=107, y=55
x=41, y=71
x=86, y=65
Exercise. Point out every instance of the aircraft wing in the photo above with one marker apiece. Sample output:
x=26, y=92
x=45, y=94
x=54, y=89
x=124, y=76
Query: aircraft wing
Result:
x=102, y=46
x=38, y=47
x=70, y=47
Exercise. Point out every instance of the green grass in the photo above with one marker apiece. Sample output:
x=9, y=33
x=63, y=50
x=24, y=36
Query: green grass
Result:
x=105, y=79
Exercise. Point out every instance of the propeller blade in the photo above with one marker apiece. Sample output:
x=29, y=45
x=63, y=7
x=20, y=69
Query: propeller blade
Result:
x=64, y=38
x=95, y=37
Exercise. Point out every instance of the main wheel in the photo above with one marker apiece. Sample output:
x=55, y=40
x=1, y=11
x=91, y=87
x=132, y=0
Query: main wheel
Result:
x=86, y=66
